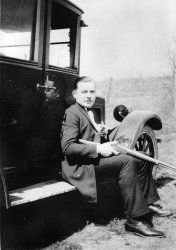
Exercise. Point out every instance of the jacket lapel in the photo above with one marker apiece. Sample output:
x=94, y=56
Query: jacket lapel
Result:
x=84, y=112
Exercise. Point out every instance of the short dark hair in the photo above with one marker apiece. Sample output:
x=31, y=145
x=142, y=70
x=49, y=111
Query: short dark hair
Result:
x=81, y=79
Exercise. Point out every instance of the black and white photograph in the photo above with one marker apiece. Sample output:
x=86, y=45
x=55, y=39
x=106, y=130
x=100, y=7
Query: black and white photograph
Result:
x=87, y=124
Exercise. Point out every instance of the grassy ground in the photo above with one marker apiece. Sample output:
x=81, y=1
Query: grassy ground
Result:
x=142, y=94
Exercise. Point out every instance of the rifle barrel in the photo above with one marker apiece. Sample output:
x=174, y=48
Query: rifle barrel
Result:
x=135, y=154
x=146, y=158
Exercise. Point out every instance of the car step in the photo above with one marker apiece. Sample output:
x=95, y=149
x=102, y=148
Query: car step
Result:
x=39, y=191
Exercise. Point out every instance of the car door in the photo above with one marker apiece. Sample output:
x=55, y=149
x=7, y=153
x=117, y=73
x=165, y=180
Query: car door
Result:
x=61, y=68
x=21, y=68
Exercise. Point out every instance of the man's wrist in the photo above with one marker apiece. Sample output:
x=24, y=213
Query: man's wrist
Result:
x=98, y=148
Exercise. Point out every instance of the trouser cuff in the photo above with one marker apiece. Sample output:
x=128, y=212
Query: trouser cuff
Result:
x=138, y=213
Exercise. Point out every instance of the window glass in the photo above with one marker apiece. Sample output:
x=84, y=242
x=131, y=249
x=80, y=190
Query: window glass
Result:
x=62, y=36
x=60, y=48
x=17, y=28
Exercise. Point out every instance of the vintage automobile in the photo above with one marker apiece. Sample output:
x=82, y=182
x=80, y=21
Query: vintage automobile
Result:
x=39, y=61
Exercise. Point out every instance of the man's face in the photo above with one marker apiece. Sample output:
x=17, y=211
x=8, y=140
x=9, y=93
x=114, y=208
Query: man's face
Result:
x=85, y=94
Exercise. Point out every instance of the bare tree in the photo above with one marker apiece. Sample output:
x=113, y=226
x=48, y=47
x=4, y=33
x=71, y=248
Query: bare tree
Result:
x=110, y=82
x=171, y=57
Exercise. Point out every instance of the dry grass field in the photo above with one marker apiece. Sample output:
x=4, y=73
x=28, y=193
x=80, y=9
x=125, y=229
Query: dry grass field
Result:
x=141, y=94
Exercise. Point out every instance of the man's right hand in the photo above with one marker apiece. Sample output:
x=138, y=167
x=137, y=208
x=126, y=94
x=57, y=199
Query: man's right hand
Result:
x=106, y=149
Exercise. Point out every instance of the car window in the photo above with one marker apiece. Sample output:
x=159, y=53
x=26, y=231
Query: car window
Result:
x=17, y=28
x=60, y=48
x=62, y=36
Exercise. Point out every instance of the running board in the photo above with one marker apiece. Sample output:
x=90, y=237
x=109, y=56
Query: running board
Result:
x=39, y=191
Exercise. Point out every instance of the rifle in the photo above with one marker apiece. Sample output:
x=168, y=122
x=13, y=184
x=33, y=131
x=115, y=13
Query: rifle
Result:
x=135, y=154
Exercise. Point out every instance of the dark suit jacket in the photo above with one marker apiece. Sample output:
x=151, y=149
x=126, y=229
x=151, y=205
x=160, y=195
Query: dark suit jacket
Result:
x=80, y=159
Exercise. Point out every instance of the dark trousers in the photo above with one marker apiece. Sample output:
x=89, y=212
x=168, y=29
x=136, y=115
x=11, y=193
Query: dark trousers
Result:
x=134, y=178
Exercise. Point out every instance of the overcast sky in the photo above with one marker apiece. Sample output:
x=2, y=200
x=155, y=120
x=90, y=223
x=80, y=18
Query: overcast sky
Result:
x=126, y=38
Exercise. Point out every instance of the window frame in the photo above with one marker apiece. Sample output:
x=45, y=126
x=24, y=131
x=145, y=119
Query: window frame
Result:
x=74, y=57
x=34, y=55
x=41, y=38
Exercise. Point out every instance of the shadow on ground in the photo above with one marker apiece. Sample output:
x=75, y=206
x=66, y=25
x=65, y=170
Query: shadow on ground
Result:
x=162, y=181
x=43, y=222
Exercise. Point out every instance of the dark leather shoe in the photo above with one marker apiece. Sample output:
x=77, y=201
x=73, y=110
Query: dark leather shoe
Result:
x=156, y=209
x=142, y=229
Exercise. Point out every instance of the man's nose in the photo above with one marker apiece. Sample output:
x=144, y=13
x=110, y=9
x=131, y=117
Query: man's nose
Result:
x=88, y=94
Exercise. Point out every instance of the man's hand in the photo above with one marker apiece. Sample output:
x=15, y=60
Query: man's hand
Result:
x=106, y=149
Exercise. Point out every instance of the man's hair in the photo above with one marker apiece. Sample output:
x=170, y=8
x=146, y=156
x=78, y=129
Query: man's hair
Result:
x=81, y=79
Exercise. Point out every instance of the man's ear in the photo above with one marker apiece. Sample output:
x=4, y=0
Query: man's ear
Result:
x=74, y=92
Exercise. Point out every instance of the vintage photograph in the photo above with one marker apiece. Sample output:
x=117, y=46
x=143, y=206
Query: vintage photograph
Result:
x=88, y=124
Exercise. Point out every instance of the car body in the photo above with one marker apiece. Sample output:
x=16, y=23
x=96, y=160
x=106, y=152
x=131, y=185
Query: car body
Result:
x=39, y=61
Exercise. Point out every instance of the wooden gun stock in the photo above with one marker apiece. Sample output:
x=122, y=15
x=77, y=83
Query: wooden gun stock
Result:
x=135, y=154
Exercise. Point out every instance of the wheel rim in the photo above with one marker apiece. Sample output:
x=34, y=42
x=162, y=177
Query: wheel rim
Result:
x=145, y=144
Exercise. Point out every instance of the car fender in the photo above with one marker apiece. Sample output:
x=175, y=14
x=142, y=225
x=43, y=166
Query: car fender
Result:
x=132, y=124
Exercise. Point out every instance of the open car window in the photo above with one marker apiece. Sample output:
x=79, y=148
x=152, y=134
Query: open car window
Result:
x=62, y=36
x=17, y=31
